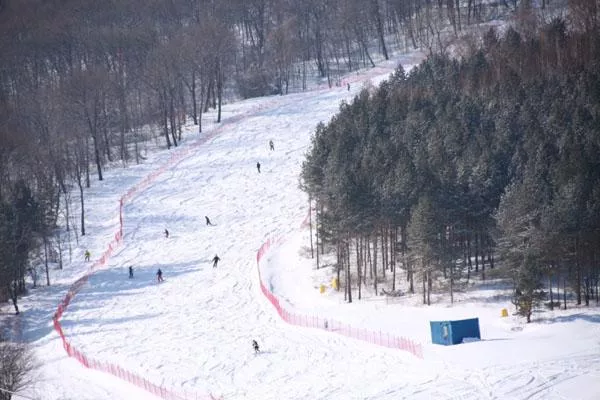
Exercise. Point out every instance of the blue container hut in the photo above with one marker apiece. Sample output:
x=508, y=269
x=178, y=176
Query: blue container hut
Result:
x=453, y=332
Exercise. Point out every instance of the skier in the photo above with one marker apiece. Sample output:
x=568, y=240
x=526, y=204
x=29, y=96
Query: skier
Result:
x=87, y=255
x=348, y=87
x=271, y=145
x=167, y=233
x=215, y=260
x=255, y=346
x=130, y=272
x=258, y=167
x=208, y=221
x=159, y=277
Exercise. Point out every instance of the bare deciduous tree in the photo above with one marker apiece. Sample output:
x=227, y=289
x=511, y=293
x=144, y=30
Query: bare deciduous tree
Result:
x=16, y=364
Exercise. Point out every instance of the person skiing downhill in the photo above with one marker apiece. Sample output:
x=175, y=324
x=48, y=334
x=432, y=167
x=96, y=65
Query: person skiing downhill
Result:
x=255, y=346
x=130, y=272
x=258, y=167
x=208, y=221
x=271, y=145
x=166, y=233
x=87, y=255
x=215, y=260
x=159, y=277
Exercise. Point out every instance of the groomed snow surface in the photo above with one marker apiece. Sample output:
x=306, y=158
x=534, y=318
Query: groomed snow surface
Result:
x=193, y=332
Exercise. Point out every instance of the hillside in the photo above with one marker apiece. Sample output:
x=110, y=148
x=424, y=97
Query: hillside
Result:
x=192, y=333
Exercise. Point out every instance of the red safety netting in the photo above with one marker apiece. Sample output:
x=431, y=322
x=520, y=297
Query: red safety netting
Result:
x=331, y=325
x=113, y=369
x=296, y=319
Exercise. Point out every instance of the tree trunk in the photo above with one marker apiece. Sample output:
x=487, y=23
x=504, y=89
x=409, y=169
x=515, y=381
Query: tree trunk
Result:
x=384, y=261
x=87, y=162
x=409, y=271
x=424, y=275
x=45, y=238
x=105, y=134
x=337, y=269
x=348, y=276
x=312, y=252
x=93, y=127
x=469, y=261
x=482, y=264
x=322, y=241
x=451, y=282
x=429, y=283
x=369, y=260
x=380, y=32
x=476, y=252
x=358, y=243
x=201, y=107
x=319, y=47
x=60, y=251
x=81, y=200
x=395, y=240
x=194, y=101
x=172, y=116
x=165, y=118
x=375, y=264
x=219, y=88
x=97, y=157
x=577, y=272
x=317, y=214
x=565, y=293
x=340, y=263
x=550, y=290
x=209, y=90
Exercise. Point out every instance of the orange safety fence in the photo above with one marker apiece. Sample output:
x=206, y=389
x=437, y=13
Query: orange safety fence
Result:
x=113, y=369
x=376, y=337
x=161, y=391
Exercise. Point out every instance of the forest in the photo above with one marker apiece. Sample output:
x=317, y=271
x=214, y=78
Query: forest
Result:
x=87, y=85
x=467, y=165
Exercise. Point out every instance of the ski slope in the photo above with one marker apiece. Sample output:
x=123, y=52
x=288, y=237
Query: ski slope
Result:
x=193, y=332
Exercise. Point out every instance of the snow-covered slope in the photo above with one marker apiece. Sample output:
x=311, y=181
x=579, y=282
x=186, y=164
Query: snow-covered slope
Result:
x=193, y=332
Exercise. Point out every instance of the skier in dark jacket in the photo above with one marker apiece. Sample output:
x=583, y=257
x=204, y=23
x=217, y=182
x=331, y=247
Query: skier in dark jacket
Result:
x=159, y=277
x=130, y=272
x=166, y=233
x=255, y=346
x=271, y=145
x=208, y=221
x=258, y=167
x=215, y=260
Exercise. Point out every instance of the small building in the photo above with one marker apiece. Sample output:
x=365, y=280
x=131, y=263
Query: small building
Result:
x=454, y=332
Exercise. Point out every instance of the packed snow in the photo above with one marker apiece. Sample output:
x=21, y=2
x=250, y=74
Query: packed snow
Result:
x=192, y=333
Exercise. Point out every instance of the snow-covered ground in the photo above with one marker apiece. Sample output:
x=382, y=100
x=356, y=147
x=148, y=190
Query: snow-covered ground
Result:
x=193, y=332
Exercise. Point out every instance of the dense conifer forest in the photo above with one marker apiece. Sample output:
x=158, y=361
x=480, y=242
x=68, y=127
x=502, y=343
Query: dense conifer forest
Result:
x=466, y=165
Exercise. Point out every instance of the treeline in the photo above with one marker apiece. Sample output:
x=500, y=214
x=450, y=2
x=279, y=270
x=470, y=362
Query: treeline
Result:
x=83, y=83
x=464, y=163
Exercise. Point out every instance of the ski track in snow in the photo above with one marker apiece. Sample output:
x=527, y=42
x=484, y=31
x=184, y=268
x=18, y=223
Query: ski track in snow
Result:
x=220, y=180
x=193, y=332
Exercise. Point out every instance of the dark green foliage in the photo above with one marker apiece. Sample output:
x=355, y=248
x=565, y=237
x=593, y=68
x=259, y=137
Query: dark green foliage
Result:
x=528, y=292
x=20, y=220
x=499, y=151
